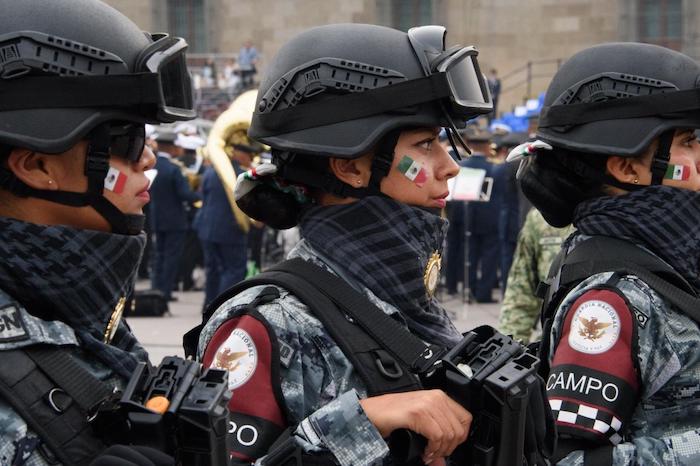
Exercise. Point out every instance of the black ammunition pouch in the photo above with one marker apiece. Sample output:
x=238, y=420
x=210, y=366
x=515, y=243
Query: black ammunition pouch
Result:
x=190, y=423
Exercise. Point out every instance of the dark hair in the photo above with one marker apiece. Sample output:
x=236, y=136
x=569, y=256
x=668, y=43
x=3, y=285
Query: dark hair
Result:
x=557, y=181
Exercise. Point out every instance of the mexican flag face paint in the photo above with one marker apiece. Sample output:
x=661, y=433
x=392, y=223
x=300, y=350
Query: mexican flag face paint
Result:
x=677, y=172
x=413, y=170
x=115, y=180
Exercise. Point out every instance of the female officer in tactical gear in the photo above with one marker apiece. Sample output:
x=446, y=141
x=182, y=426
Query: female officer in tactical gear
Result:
x=79, y=81
x=352, y=113
x=617, y=156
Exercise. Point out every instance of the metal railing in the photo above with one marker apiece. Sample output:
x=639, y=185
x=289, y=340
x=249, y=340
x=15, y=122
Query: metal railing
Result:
x=525, y=74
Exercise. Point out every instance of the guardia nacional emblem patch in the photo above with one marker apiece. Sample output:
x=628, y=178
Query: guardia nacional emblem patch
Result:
x=595, y=327
x=239, y=356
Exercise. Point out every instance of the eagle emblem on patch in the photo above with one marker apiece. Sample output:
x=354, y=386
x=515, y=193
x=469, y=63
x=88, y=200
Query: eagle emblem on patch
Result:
x=595, y=327
x=239, y=356
x=591, y=329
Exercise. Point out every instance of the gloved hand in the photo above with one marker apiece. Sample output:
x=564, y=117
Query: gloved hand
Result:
x=132, y=455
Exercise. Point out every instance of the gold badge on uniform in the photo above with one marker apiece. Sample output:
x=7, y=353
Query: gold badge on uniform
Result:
x=114, y=320
x=431, y=278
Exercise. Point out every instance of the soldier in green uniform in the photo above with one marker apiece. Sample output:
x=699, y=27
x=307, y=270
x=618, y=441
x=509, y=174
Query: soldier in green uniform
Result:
x=538, y=244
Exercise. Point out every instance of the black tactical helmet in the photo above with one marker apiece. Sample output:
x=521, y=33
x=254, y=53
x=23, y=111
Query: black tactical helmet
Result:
x=343, y=89
x=78, y=69
x=338, y=89
x=616, y=98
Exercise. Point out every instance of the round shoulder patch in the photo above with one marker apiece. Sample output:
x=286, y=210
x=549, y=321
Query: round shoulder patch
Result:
x=595, y=327
x=239, y=356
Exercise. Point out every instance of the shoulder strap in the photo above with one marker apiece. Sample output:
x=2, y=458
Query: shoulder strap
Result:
x=396, y=339
x=615, y=255
x=53, y=394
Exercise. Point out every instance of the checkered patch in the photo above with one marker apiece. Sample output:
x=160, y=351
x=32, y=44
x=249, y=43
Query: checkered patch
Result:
x=588, y=418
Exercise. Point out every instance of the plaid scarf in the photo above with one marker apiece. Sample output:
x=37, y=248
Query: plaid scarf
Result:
x=663, y=219
x=385, y=245
x=77, y=277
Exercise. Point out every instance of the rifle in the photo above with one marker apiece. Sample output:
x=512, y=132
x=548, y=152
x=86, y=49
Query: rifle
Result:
x=177, y=408
x=495, y=379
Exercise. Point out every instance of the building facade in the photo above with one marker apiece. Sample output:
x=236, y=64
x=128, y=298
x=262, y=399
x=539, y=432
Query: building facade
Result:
x=524, y=40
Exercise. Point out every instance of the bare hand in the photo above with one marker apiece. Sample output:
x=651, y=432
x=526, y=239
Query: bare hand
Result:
x=430, y=413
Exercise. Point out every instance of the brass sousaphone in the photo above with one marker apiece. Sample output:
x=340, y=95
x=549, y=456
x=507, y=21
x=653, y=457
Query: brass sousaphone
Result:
x=231, y=128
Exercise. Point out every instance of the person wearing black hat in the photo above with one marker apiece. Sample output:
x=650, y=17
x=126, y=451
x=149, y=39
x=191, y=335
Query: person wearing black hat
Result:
x=170, y=196
x=79, y=81
x=617, y=156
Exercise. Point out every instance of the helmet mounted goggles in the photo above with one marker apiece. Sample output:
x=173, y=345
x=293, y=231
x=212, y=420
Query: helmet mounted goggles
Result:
x=451, y=77
x=159, y=89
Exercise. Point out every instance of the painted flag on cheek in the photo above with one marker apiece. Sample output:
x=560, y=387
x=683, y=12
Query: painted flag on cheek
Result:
x=115, y=180
x=413, y=170
x=677, y=172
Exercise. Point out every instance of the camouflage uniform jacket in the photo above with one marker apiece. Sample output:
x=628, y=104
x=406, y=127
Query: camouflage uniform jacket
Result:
x=18, y=444
x=319, y=384
x=655, y=343
x=538, y=244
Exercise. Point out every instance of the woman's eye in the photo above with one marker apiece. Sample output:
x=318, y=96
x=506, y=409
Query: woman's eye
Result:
x=427, y=145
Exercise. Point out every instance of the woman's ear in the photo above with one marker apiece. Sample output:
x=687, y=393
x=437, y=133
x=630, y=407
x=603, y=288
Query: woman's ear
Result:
x=624, y=169
x=354, y=172
x=32, y=168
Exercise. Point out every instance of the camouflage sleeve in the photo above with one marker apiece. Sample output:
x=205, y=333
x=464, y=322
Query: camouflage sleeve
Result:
x=521, y=307
x=342, y=427
x=663, y=429
x=681, y=449
x=337, y=423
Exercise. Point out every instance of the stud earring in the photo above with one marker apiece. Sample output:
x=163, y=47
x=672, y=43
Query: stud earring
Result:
x=50, y=182
x=359, y=182
x=636, y=180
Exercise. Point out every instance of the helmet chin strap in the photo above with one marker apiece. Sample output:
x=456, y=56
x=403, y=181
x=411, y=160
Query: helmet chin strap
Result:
x=659, y=164
x=96, y=168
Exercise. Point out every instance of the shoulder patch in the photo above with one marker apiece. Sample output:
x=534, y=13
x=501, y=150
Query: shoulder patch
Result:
x=248, y=349
x=239, y=356
x=593, y=384
x=12, y=327
x=595, y=327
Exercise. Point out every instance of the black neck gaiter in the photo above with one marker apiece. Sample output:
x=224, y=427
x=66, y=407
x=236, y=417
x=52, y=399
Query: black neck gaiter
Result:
x=385, y=246
x=77, y=277
x=663, y=219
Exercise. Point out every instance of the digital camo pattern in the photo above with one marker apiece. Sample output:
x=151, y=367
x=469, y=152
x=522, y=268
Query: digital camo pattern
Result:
x=538, y=244
x=664, y=428
x=319, y=384
x=18, y=444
